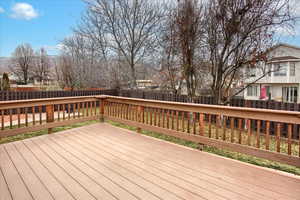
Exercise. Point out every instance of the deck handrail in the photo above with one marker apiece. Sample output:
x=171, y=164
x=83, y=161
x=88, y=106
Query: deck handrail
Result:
x=259, y=132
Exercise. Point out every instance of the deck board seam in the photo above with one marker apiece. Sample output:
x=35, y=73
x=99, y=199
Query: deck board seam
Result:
x=51, y=173
x=14, y=145
x=140, y=176
x=6, y=182
x=26, y=186
x=54, y=161
x=128, y=132
x=176, y=184
x=80, y=169
x=108, y=169
x=184, y=179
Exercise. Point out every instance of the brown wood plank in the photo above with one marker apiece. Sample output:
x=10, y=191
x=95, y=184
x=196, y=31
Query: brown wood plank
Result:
x=291, y=160
x=14, y=181
x=53, y=185
x=4, y=191
x=69, y=182
x=79, y=174
x=267, y=174
x=33, y=183
x=97, y=160
x=132, y=153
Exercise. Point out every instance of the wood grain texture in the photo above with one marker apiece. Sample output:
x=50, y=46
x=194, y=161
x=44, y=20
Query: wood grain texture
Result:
x=104, y=162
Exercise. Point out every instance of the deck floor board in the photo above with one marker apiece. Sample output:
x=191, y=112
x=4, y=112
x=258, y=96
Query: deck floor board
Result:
x=100, y=161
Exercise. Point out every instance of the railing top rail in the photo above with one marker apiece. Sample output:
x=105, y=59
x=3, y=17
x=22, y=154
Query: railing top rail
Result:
x=247, y=113
x=44, y=101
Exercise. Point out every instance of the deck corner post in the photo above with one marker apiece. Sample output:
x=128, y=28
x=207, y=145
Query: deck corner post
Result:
x=49, y=116
x=102, y=102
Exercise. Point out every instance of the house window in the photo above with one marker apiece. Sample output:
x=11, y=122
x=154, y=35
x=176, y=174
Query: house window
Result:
x=252, y=91
x=292, y=69
x=280, y=69
x=290, y=94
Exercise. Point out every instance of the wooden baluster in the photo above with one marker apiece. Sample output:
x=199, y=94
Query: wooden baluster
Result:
x=188, y=122
x=136, y=113
x=224, y=127
x=172, y=115
x=194, y=123
x=87, y=108
x=278, y=136
x=163, y=118
x=64, y=111
x=151, y=116
x=91, y=108
x=127, y=112
x=140, y=109
x=41, y=114
x=168, y=119
x=26, y=116
x=155, y=117
x=19, y=117
x=33, y=115
x=209, y=125
x=201, y=124
x=258, y=134
x=58, y=112
x=182, y=120
x=249, y=132
x=78, y=109
x=95, y=107
x=2, y=119
x=50, y=116
x=177, y=120
x=240, y=123
x=232, y=129
x=69, y=111
x=299, y=143
x=74, y=110
x=10, y=119
x=267, y=137
x=217, y=126
x=290, y=139
x=159, y=117
x=101, y=110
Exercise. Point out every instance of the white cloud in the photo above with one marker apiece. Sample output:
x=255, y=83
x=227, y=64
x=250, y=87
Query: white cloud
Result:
x=24, y=11
x=2, y=10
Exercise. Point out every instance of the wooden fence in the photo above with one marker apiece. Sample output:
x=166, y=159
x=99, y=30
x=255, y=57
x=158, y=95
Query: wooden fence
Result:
x=21, y=95
x=244, y=130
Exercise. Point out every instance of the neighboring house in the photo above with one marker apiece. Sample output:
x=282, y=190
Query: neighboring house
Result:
x=284, y=81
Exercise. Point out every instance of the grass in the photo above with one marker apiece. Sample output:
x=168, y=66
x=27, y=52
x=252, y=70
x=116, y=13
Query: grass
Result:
x=221, y=152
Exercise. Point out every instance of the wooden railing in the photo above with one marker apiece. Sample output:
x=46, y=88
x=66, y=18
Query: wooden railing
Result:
x=232, y=128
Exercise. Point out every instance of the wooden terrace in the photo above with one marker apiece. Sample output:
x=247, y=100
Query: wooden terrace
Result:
x=101, y=161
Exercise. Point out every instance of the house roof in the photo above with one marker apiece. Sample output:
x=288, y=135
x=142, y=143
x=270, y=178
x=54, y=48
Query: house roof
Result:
x=284, y=58
x=284, y=45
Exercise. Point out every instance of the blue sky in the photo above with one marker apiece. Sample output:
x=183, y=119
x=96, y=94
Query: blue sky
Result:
x=37, y=22
x=44, y=23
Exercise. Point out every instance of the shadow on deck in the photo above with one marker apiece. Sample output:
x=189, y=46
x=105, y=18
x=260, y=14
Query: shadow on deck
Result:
x=104, y=162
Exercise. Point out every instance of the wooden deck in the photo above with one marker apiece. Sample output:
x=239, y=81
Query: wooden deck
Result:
x=104, y=162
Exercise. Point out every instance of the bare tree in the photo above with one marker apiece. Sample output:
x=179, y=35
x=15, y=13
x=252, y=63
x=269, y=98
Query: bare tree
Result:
x=126, y=27
x=41, y=68
x=237, y=34
x=183, y=39
x=22, y=62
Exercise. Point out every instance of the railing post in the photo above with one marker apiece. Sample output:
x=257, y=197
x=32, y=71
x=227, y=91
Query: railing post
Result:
x=102, y=110
x=50, y=116
x=140, y=117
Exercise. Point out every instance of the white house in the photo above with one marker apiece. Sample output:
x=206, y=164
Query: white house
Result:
x=283, y=83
